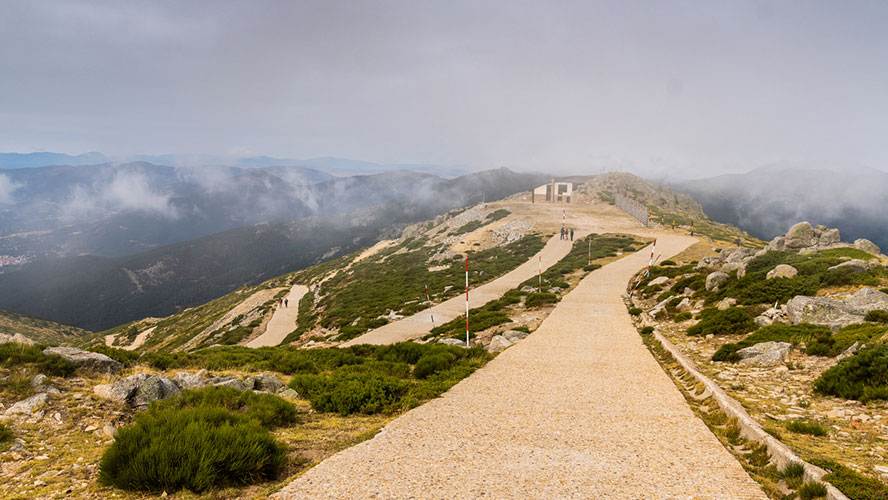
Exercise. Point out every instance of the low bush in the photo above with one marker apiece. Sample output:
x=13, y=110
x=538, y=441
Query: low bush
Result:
x=347, y=393
x=6, y=433
x=635, y=311
x=646, y=330
x=430, y=364
x=195, y=449
x=668, y=262
x=16, y=384
x=793, y=474
x=267, y=409
x=810, y=428
x=683, y=316
x=521, y=328
x=850, y=482
x=591, y=267
x=727, y=353
x=811, y=490
x=31, y=356
x=863, y=377
x=876, y=316
x=537, y=299
x=731, y=321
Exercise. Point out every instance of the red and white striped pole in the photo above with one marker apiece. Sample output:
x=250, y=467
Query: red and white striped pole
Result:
x=590, y=251
x=429, y=300
x=467, y=302
x=541, y=274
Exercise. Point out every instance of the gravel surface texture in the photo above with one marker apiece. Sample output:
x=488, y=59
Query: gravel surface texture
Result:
x=579, y=409
x=283, y=321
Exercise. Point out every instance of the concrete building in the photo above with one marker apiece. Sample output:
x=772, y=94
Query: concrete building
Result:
x=553, y=192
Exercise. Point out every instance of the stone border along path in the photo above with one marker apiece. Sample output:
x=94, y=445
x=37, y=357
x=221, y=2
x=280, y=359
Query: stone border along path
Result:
x=283, y=321
x=579, y=409
x=420, y=323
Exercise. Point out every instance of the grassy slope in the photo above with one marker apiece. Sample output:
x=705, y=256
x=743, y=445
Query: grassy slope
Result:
x=39, y=330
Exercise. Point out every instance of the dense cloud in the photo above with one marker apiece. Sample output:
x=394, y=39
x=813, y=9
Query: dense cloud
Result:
x=663, y=88
x=7, y=188
x=122, y=191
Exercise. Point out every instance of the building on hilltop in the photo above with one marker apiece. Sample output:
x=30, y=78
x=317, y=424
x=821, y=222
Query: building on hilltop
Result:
x=554, y=191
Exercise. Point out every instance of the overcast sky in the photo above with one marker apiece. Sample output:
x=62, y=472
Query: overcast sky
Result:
x=697, y=87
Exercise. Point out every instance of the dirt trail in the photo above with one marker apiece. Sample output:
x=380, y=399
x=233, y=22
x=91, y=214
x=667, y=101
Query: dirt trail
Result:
x=579, y=409
x=283, y=321
x=137, y=342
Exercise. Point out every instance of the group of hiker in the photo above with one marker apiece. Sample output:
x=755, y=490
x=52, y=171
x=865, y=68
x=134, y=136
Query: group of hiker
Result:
x=567, y=233
x=283, y=302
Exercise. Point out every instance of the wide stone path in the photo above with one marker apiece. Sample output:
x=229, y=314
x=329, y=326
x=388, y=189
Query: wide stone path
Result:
x=283, y=321
x=579, y=409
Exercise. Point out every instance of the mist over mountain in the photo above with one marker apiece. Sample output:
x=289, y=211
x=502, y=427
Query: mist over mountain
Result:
x=30, y=160
x=96, y=292
x=765, y=202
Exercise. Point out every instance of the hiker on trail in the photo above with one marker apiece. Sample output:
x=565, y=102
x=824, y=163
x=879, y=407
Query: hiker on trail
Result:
x=562, y=232
x=286, y=302
x=280, y=302
x=571, y=234
x=673, y=225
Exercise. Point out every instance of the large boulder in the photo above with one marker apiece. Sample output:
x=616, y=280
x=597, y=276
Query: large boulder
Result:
x=498, y=344
x=455, y=342
x=17, y=338
x=714, y=280
x=86, y=359
x=782, y=271
x=835, y=313
x=188, y=380
x=659, y=280
x=778, y=243
x=765, y=354
x=264, y=382
x=867, y=246
x=229, y=381
x=726, y=303
x=138, y=390
x=737, y=255
x=800, y=236
x=708, y=262
x=855, y=265
x=829, y=238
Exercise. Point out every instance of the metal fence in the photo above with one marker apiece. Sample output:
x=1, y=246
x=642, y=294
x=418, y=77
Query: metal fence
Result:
x=633, y=208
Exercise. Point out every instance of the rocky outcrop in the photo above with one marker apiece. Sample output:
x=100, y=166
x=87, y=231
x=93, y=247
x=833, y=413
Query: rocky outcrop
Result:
x=659, y=281
x=187, y=380
x=86, y=359
x=854, y=265
x=228, y=381
x=264, y=382
x=18, y=338
x=867, y=246
x=771, y=316
x=138, y=390
x=765, y=354
x=800, y=236
x=714, y=280
x=782, y=271
x=835, y=313
x=804, y=239
x=514, y=336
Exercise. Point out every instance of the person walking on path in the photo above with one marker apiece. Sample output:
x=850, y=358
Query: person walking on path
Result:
x=286, y=302
x=562, y=232
x=571, y=234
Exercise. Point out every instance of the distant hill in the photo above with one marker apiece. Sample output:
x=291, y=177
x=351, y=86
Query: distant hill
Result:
x=39, y=330
x=30, y=160
x=97, y=293
x=767, y=201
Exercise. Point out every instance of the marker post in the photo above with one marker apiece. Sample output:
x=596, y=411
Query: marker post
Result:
x=467, y=302
x=541, y=275
x=429, y=300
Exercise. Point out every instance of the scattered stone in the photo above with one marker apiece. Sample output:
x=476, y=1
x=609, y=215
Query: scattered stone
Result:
x=18, y=338
x=86, y=359
x=782, y=271
x=881, y=471
x=31, y=407
x=855, y=265
x=498, y=344
x=90, y=428
x=456, y=342
x=850, y=351
x=867, y=246
x=765, y=354
x=186, y=380
x=528, y=289
x=229, y=381
x=264, y=382
x=514, y=336
x=713, y=280
x=708, y=262
x=109, y=431
x=658, y=281
x=288, y=393
x=138, y=390
x=684, y=305
x=726, y=303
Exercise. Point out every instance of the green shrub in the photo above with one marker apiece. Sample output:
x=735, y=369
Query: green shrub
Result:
x=854, y=485
x=31, y=356
x=731, y=321
x=817, y=338
x=667, y=262
x=811, y=490
x=195, y=449
x=429, y=364
x=810, y=428
x=6, y=433
x=591, y=267
x=537, y=299
x=863, y=376
x=727, y=353
x=308, y=384
x=683, y=316
x=368, y=393
x=635, y=311
x=864, y=333
x=793, y=474
x=521, y=328
x=647, y=330
x=876, y=316
x=267, y=409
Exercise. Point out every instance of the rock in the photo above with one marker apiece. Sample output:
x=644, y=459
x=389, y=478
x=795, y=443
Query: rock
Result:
x=866, y=300
x=800, y=236
x=31, y=407
x=18, y=338
x=708, y=262
x=138, y=390
x=778, y=244
x=659, y=308
x=713, y=280
x=835, y=313
x=288, y=393
x=684, y=305
x=86, y=359
x=763, y=321
x=229, y=381
x=726, y=303
x=109, y=431
x=456, y=342
x=765, y=354
x=515, y=335
x=186, y=380
x=855, y=265
x=659, y=280
x=782, y=271
x=737, y=255
x=555, y=289
x=882, y=471
x=90, y=428
x=850, y=351
x=38, y=380
x=828, y=238
x=264, y=382
x=528, y=289
x=867, y=246
x=498, y=344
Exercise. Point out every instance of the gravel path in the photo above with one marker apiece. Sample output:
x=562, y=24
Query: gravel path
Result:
x=283, y=321
x=419, y=324
x=579, y=409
